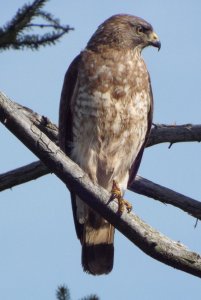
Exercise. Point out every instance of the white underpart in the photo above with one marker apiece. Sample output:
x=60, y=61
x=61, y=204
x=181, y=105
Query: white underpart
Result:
x=111, y=157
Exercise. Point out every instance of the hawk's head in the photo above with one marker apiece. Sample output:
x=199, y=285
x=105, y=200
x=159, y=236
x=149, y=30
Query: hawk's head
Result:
x=124, y=31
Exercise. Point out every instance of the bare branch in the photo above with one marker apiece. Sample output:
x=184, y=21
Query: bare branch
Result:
x=174, y=134
x=22, y=175
x=158, y=192
x=140, y=186
x=42, y=122
x=160, y=133
x=145, y=237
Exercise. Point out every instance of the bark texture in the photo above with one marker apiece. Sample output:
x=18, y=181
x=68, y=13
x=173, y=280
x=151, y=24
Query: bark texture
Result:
x=159, y=134
x=137, y=231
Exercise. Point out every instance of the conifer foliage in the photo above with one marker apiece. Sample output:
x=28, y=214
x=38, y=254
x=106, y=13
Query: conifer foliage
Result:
x=63, y=293
x=46, y=31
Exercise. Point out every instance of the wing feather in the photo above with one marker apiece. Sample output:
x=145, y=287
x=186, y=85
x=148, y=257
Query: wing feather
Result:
x=135, y=166
x=65, y=116
x=65, y=123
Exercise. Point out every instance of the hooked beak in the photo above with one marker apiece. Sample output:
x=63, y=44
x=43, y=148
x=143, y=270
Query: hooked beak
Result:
x=154, y=40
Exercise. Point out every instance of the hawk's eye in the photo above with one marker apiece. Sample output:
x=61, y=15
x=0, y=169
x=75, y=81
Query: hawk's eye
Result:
x=140, y=29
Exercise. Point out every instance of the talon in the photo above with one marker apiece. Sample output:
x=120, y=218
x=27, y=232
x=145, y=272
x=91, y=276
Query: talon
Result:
x=121, y=205
x=116, y=194
x=128, y=206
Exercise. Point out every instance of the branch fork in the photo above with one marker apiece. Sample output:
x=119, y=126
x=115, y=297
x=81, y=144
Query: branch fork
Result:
x=25, y=125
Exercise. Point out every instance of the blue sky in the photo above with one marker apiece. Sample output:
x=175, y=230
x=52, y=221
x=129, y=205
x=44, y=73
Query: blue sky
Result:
x=39, y=249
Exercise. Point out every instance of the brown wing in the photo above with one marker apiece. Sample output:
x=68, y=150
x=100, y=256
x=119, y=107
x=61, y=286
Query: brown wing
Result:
x=135, y=166
x=65, y=122
x=65, y=118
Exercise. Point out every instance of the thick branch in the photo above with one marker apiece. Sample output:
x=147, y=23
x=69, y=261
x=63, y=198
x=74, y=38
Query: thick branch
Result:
x=160, y=133
x=141, y=185
x=146, y=238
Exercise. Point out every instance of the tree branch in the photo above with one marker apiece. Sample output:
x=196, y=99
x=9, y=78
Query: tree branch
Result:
x=158, y=192
x=22, y=175
x=161, y=133
x=145, y=237
x=140, y=186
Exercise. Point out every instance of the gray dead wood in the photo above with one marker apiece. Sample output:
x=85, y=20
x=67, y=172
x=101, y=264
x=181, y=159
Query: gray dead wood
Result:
x=142, y=235
x=172, y=134
x=140, y=185
x=167, y=133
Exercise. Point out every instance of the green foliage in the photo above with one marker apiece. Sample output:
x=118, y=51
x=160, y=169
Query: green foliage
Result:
x=12, y=35
x=91, y=297
x=63, y=293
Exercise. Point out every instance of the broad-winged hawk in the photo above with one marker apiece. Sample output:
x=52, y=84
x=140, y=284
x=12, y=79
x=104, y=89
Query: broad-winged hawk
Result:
x=104, y=121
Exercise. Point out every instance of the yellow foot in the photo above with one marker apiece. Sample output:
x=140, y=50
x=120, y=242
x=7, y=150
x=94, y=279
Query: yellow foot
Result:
x=116, y=194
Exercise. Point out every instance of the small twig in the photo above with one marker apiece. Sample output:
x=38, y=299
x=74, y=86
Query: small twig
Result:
x=196, y=223
x=57, y=27
x=170, y=145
